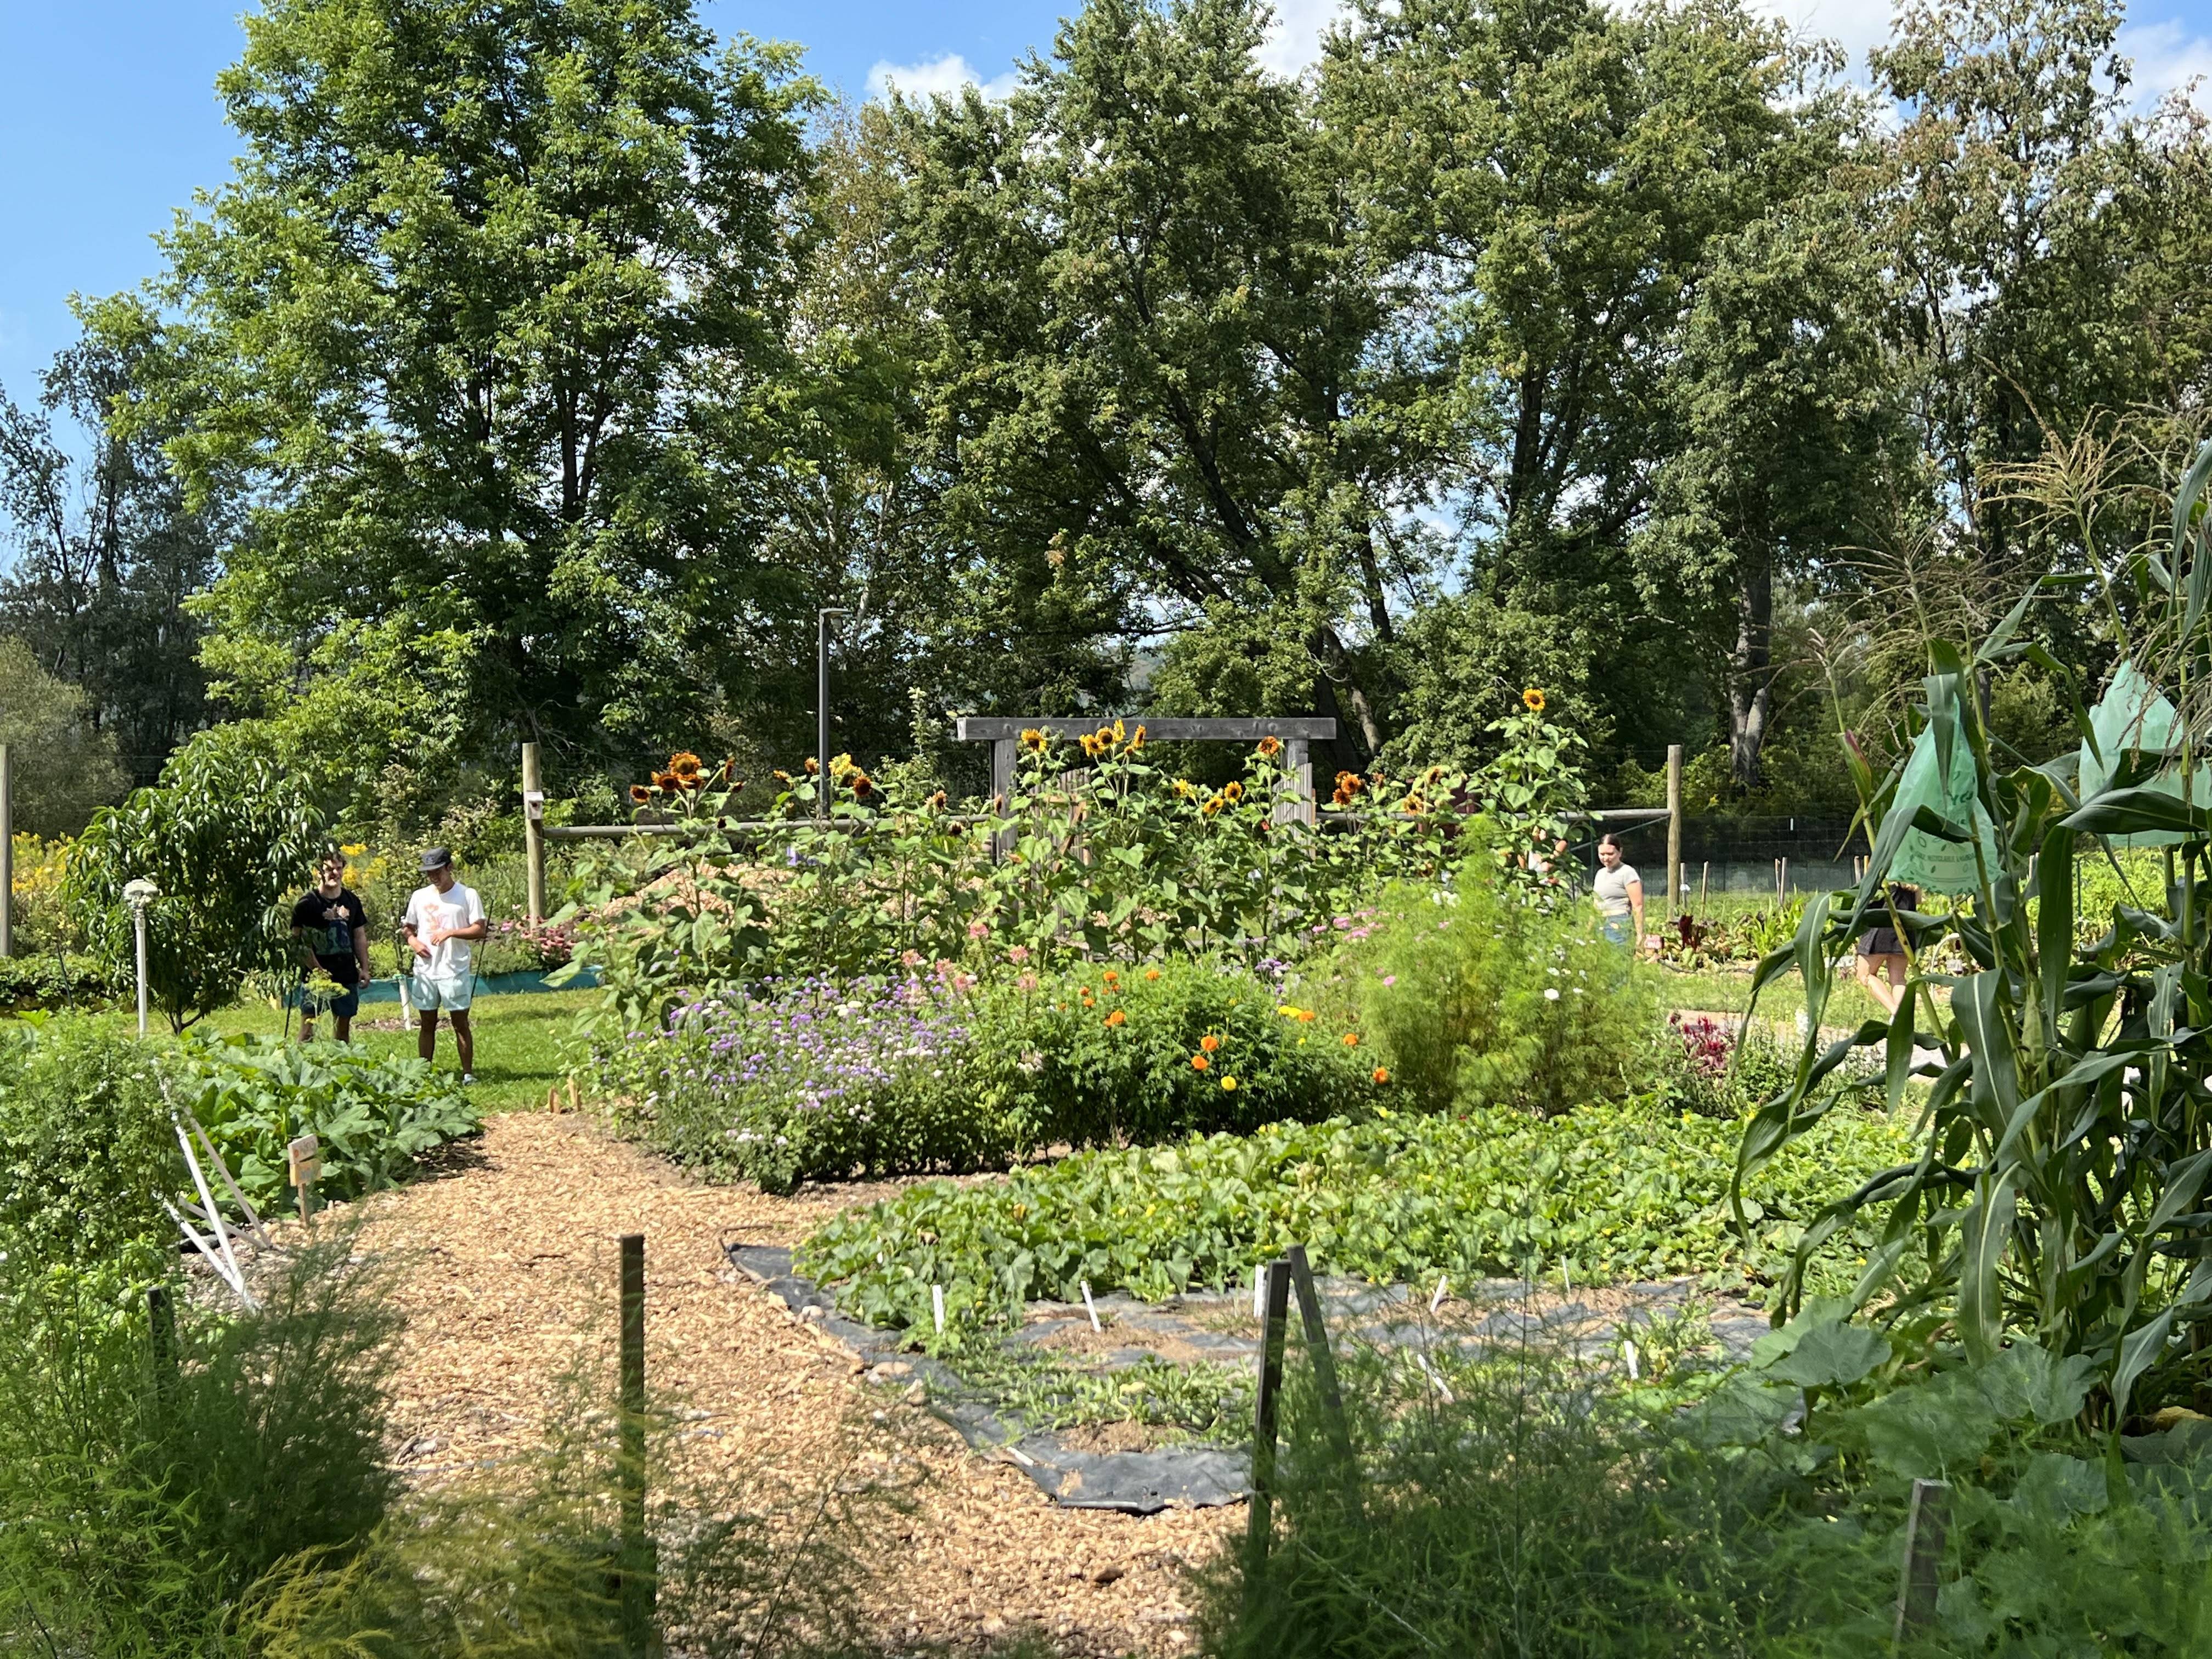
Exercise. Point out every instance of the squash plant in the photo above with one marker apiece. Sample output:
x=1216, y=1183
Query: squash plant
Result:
x=2060, y=1187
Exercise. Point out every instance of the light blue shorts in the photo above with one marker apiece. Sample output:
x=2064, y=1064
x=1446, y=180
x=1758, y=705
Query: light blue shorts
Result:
x=427, y=994
x=1619, y=929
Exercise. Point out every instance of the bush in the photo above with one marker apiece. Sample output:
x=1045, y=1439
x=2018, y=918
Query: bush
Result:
x=87, y=1154
x=1477, y=998
x=227, y=838
x=823, y=1079
x=140, y=1500
x=55, y=981
x=1610, y=1192
x=374, y=1117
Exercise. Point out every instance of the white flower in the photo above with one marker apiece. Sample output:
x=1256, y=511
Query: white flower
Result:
x=1550, y=993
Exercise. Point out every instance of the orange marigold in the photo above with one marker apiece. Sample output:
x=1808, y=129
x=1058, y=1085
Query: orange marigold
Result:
x=1111, y=977
x=1151, y=973
x=1351, y=1039
x=1117, y=1019
x=1200, y=1062
x=1382, y=1073
x=1209, y=1042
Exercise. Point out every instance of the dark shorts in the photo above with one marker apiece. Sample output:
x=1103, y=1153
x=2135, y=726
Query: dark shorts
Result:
x=344, y=1005
x=1880, y=942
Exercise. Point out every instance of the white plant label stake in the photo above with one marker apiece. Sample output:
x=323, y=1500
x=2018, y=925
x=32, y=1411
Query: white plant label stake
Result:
x=1438, y=1300
x=937, y=1306
x=1628, y=1348
x=1090, y=1307
x=1259, y=1293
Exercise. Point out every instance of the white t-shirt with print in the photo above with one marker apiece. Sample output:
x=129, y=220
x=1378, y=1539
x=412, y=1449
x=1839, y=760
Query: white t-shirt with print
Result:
x=457, y=907
x=1610, y=888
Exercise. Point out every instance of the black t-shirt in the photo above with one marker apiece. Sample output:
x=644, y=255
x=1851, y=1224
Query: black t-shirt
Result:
x=327, y=926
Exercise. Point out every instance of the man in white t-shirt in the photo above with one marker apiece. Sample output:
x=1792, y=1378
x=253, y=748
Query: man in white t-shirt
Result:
x=444, y=921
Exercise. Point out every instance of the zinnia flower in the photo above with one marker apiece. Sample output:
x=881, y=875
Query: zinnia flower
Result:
x=1382, y=1073
x=1534, y=700
x=1200, y=1062
x=1151, y=973
x=1209, y=1042
x=1115, y=1020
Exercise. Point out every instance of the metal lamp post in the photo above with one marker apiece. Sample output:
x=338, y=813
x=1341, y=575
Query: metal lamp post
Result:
x=139, y=894
x=822, y=708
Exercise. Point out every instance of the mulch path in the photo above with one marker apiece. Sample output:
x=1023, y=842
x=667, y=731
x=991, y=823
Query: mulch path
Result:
x=508, y=1259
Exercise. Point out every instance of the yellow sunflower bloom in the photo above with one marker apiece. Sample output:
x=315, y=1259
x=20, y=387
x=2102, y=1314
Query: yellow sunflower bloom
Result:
x=1534, y=698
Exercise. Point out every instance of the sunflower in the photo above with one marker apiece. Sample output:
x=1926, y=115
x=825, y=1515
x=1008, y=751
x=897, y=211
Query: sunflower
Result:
x=1339, y=800
x=1136, y=740
x=813, y=767
x=936, y=802
x=1200, y=1062
x=1033, y=739
x=1271, y=747
x=863, y=787
x=641, y=793
x=1093, y=742
x=1117, y=1020
x=728, y=772
x=1120, y=732
x=667, y=781
x=1533, y=700
x=783, y=777
x=1349, y=783
x=1213, y=805
x=685, y=765
x=1184, y=788
x=1233, y=792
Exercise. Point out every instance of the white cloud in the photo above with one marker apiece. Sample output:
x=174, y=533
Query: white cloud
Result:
x=1855, y=24
x=1294, y=38
x=2167, y=59
x=947, y=74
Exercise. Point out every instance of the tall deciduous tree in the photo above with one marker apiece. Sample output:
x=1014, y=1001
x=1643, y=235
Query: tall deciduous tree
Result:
x=480, y=326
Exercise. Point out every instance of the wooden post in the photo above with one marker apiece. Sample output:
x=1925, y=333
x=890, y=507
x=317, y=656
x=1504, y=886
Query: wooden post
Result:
x=1260, y=1520
x=1298, y=763
x=636, y=1565
x=1705, y=880
x=1781, y=884
x=1324, y=1361
x=305, y=1157
x=7, y=854
x=1004, y=754
x=1673, y=826
x=533, y=831
x=1924, y=1527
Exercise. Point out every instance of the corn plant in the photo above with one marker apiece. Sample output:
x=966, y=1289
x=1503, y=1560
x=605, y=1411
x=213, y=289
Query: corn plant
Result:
x=2065, y=1139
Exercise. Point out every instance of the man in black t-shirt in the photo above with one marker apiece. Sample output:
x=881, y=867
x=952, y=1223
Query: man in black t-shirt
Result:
x=331, y=928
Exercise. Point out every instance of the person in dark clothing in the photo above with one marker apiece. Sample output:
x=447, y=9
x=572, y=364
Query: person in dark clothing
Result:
x=1883, y=966
x=331, y=926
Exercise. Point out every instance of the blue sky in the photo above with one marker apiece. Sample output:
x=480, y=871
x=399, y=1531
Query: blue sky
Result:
x=108, y=119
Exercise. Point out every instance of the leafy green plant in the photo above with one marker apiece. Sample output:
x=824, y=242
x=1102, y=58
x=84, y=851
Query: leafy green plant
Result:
x=2059, y=1185
x=227, y=838
x=1623, y=1191
x=375, y=1117
x=1476, y=996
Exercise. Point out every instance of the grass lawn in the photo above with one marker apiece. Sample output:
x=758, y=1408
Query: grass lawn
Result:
x=520, y=1039
x=1719, y=991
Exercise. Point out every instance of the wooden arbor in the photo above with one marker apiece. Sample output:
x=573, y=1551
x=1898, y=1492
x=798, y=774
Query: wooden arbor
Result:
x=1296, y=733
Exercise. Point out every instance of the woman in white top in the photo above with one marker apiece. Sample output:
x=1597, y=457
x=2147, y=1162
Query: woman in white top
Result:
x=1618, y=891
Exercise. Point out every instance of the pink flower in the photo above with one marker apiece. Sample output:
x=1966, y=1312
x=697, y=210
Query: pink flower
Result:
x=978, y=929
x=1026, y=983
x=1018, y=955
x=909, y=958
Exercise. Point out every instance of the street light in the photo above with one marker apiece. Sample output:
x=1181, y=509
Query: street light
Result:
x=822, y=708
x=139, y=894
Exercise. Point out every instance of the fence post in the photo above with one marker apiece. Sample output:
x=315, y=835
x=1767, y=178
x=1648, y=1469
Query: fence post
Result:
x=635, y=1563
x=1324, y=1360
x=533, y=831
x=1925, y=1529
x=1673, y=826
x=1003, y=754
x=1260, y=1520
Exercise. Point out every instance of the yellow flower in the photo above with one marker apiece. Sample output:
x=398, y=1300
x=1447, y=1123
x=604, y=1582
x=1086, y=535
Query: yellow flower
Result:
x=1228, y=1084
x=1234, y=791
x=1120, y=732
x=353, y=852
x=1212, y=806
x=1136, y=739
x=1033, y=739
x=1534, y=700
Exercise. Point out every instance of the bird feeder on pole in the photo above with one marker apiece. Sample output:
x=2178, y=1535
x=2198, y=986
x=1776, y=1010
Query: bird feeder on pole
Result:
x=139, y=894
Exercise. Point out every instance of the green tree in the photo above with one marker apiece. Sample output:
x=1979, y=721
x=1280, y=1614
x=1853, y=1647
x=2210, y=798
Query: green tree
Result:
x=227, y=838
x=63, y=765
x=482, y=324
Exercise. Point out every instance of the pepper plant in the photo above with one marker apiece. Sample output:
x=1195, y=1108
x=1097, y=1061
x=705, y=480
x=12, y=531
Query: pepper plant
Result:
x=2064, y=1148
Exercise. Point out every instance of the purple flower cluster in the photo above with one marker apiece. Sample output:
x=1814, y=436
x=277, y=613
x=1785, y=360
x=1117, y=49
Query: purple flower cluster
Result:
x=808, y=1046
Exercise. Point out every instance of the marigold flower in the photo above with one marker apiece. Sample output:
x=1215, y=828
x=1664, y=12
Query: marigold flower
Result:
x=1151, y=973
x=1111, y=977
x=1382, y=1073
x=1117, y=1020
x=1271, y=747
x=1209, y=1042
x=1351, y=1039
x=1233, y=791
x=1228, y=1084
x=639, y=794
x=1305, y=1016
x=1534, y=697
x=1200, y=1062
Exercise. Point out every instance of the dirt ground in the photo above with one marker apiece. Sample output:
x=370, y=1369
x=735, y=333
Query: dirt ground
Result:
x=507, y=1276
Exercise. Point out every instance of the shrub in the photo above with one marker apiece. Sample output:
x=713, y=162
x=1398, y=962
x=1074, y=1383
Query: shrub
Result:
x=86, y=1153
x=226, y=837
x=55, y=981
x=823, y=1078
x=1611, y=1192
x=1476, y=997
x=374, y=1117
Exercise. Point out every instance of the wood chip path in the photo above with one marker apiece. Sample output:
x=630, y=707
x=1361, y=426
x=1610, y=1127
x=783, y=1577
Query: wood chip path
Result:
x=509, y=1264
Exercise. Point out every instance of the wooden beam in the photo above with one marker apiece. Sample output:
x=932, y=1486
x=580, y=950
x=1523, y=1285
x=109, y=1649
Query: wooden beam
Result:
x=991, y=728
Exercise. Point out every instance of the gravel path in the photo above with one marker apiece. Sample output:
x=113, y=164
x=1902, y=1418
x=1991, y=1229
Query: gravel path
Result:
x=510, y=1262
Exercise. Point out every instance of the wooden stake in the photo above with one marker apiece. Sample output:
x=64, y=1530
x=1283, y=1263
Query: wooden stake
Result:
x=1673, y=826
x=1324, y=1361
x=572, y=1105
x=1260, y=1521
x=1925, y=1529
x=533, y=834
x=637, y=1565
